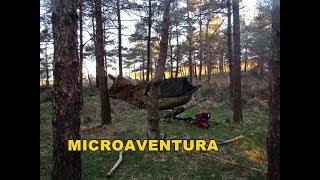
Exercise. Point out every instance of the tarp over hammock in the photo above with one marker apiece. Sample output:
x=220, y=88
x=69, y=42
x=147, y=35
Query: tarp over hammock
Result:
x=174, y=92
x=176, y=87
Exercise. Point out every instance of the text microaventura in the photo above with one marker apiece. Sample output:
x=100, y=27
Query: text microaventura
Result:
x=142, y=145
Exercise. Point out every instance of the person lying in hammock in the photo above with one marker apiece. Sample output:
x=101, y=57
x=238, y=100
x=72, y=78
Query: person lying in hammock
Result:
x=124, y=89
x=174, y=92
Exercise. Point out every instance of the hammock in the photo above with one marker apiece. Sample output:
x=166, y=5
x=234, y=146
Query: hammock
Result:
x=174, y=92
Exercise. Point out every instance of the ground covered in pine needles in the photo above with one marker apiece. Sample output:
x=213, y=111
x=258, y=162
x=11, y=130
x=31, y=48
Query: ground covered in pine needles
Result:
x=129, y=122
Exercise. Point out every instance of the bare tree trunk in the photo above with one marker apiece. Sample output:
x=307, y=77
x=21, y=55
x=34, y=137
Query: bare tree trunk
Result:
x=177, y=52
x=104, y=40
x=104, y=98
x=237, y=105
x=47, y=69
x=200, y=39
x=177, y=43
x=230, y=50
x=94, y=37
x=245, y=60
x=195, y=69
x=81, y=50
x=151, y=71
x=66, y=94
x=209, y=65
x=171, y=62
x=90, y=84
x=155, y=67
x=208, y=51
x=149, y=39
x=152, y=107
x=206, y=70
x=143, y=67
x=119, y=38
x=89, y=78
x=189, y=37
x=171, y=55
x=274, y=102
x=177, y=61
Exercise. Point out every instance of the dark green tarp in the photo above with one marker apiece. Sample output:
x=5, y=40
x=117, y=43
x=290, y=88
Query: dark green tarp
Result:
x=176, y=87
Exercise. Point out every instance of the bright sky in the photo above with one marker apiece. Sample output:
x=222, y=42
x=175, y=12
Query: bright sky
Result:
x=248, y=11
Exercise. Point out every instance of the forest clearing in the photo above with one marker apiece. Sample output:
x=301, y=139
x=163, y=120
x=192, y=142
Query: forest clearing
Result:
x=158, y=70
x=129, y=123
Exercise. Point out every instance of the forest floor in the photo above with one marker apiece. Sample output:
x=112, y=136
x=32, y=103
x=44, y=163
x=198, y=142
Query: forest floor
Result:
x=129, y=122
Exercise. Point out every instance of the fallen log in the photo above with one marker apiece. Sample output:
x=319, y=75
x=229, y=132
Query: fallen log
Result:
x=116, y=165
x=235, y=163
x=230, y=140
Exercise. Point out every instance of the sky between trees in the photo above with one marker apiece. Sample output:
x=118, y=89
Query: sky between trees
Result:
x=247, y=10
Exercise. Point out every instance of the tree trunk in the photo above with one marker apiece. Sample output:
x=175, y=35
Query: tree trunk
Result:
x=152, y=107
x=94, y=37
x=177, y=51
x=209, y=65
x=206, y=71
x=66, y=94
x=171, y=62
x=104, y=45
x=119, y=38
x=245, y=60
x=151, y=70
x=177, y=44
x=143, y=67
x=149, y=39
x=208, y=50
x=189, y=37
x=90, y=84
x=171, y=55
x=237, y=109
x=81, y=51
x=47, y=69
x=89, y=79
x=274, y=102
x=194, y=69
x=200, y=40
x=230, y=50
x=177, y=61
x=103, y=86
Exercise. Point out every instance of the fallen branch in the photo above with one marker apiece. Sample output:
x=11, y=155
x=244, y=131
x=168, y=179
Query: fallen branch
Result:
x=231, y=140
x=237, y=164
x=180, y=110
x=116, y=165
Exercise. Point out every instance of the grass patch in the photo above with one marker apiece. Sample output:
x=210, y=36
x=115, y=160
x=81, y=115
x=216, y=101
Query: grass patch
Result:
x=130, y=123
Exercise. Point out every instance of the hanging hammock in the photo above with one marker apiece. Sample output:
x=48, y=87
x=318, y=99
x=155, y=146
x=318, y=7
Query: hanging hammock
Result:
x=174, y=92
